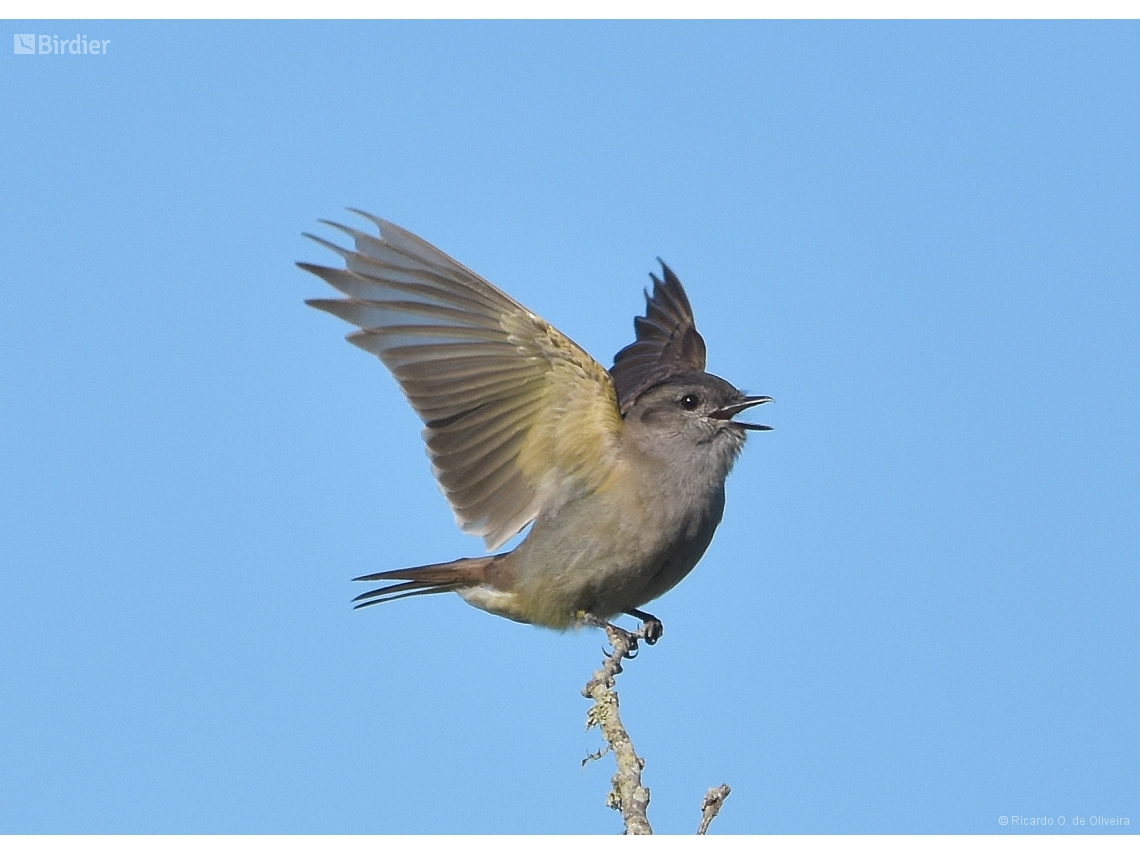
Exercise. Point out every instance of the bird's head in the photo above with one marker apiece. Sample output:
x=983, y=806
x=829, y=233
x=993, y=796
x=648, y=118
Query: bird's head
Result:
x=691, y=415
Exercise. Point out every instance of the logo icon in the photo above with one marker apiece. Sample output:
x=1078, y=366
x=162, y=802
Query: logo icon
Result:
x=24, y=43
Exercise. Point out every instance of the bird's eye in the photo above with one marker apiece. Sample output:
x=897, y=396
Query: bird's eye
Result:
x=690, y=402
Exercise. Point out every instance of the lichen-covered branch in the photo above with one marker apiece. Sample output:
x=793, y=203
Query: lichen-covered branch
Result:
x=710, y=807
x=628, y=795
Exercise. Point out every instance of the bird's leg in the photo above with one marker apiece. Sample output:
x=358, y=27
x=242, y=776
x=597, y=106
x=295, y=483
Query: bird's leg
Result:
x=651, y=628
x=620, y=639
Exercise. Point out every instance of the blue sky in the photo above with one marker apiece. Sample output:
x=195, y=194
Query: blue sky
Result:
x=920, y=612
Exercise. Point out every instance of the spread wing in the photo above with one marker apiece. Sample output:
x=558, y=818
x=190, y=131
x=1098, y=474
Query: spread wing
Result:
x=667, y=341
x=514, y=411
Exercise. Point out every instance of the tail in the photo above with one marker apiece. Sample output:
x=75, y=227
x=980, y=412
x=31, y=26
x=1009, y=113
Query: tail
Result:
x=429, y=579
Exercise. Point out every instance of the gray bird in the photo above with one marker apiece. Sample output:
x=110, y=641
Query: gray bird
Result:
x=621, y=472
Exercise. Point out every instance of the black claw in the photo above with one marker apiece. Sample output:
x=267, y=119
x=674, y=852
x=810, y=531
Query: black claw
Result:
x=653, y=631
x=613, y=631
x=630, y=641
x=651, y=628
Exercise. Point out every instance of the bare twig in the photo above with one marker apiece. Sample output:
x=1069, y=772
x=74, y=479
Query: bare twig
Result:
x=710, y=807
x=628, y=795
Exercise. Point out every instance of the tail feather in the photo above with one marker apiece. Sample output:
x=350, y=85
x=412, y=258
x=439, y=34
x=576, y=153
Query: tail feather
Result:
x=429, y=579
x=386, y=595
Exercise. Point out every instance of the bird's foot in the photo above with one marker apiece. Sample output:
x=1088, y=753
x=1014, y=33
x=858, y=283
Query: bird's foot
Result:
x=651, y=628
x=621, y=640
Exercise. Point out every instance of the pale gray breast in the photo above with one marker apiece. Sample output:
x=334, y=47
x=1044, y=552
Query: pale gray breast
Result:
x=694, y=532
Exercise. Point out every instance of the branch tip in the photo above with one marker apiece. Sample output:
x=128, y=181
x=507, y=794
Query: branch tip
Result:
x=711, y=804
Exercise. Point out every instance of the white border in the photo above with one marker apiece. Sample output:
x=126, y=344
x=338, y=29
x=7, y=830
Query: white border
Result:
x=601, y=9
x=870, y=844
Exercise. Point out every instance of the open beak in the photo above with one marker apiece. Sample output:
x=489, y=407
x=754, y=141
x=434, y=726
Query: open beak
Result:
x=740, y=406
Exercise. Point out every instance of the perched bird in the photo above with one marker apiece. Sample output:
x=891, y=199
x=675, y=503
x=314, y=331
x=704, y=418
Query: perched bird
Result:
x=621, y=472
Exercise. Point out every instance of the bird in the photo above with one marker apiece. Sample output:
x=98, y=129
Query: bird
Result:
x=620, y=474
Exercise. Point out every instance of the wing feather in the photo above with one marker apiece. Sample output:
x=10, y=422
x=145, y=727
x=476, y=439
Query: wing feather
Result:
x=667, y=341
x=516, y=414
